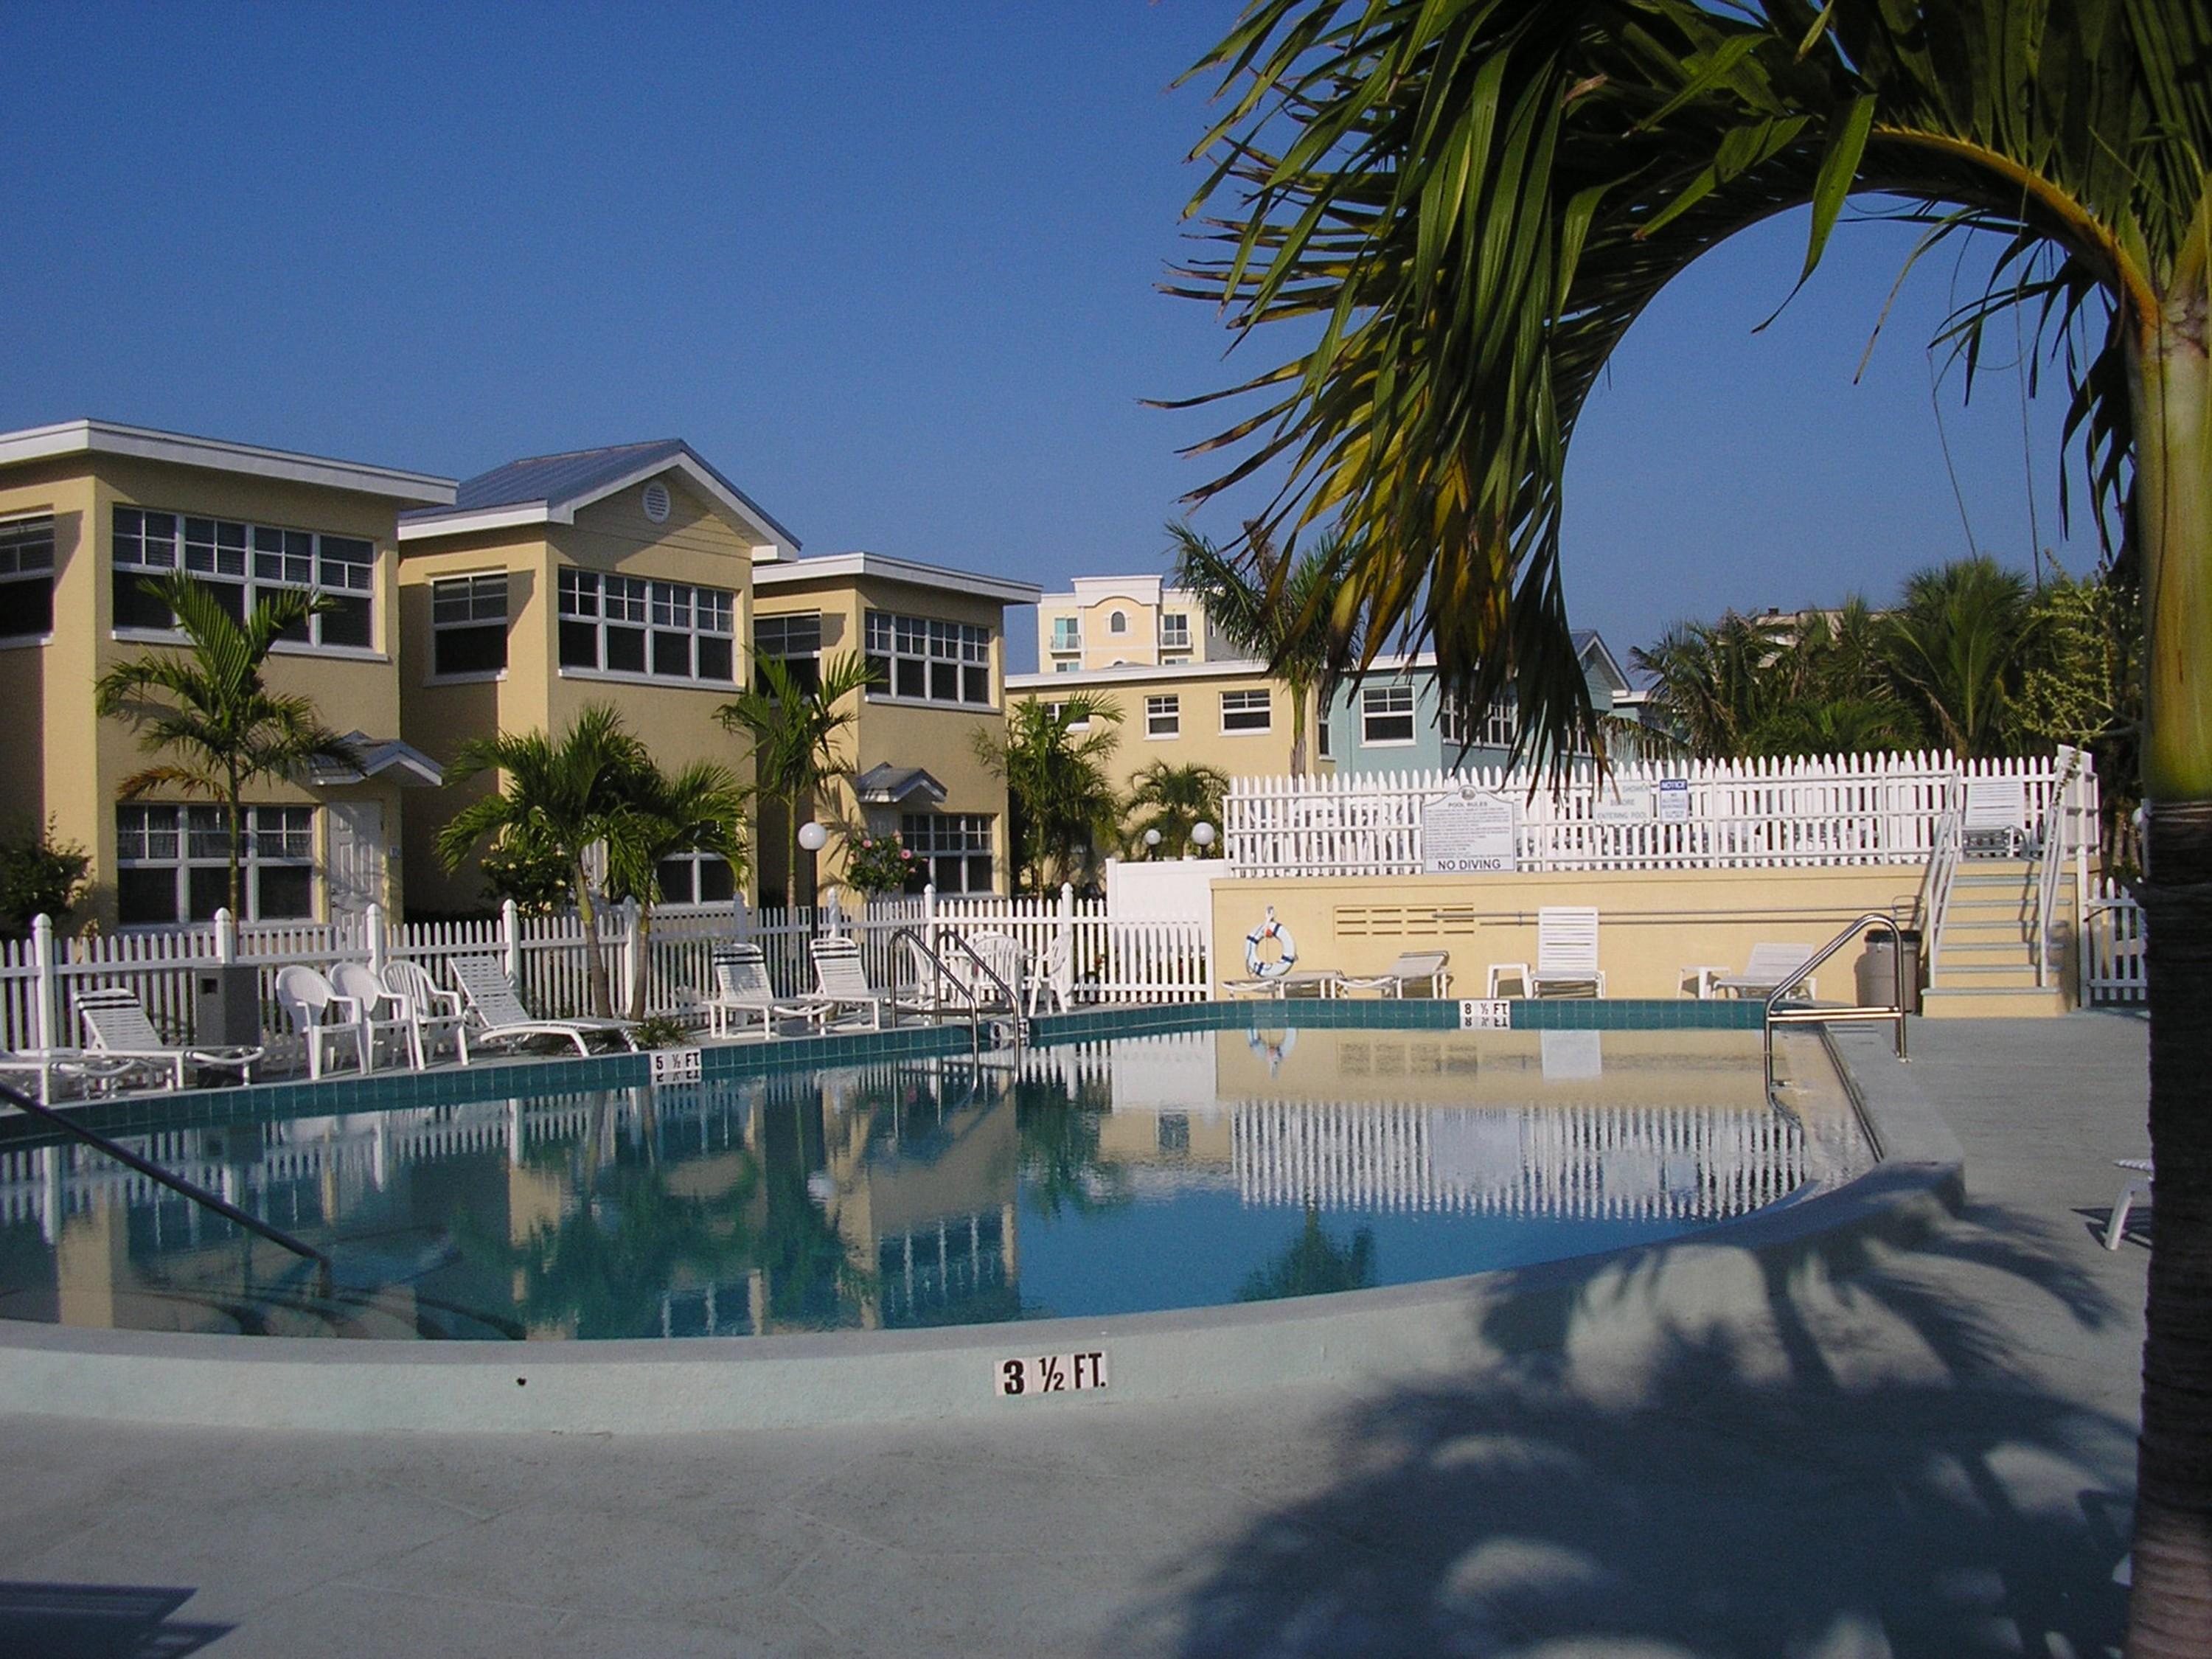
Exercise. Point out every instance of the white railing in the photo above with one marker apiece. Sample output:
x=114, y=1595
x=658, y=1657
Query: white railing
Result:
x=2077, y=784
x=1869, y=809
x=41, y=977
x=2112, y=935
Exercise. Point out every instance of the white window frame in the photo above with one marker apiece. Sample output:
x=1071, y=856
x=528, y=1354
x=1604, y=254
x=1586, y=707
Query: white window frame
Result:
x=1067, y=633
x=26, y=555
x=1163, y=716
x=924, y=646
x=259, y=559
x=1117, y=622
x=653, y=609
x=465, y=600
x=1391, y=707
x=695, y=867
x=163, y=835
x=1175, y=630
x=1498, y=728
x=961, y=837
x=1248, y=728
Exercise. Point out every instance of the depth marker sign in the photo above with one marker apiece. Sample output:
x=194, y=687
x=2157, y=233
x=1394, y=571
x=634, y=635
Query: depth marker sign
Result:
x=1051, y=1373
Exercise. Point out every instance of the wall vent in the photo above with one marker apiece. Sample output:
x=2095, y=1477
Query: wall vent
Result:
x=656, y=501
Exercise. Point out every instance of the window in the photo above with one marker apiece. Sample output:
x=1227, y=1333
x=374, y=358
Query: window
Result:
x=928, y=661
x=468, y=624
x=795, y=642
x=1246, y=711
x=1322, y=737
x=172, y=863
x=242, y=564
x=1066, y=634
x=1175, y=631
x=1386, y=714
x=1064, y=667
x=955, y=848
x=629, y=625
x=1494, y=731
x=1117, y=622
x=1053, y=712
x=1163, y=717
x=26, y=577
x=696, y=879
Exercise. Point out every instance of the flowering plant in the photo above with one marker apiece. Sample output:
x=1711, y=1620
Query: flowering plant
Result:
x=879, y=864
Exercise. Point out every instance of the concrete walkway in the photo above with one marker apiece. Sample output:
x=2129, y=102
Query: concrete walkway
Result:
x=1924, y=1452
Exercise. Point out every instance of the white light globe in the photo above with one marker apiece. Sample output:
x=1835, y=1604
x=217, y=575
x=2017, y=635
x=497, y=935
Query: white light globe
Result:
x=1202, y=834
x=813, y=837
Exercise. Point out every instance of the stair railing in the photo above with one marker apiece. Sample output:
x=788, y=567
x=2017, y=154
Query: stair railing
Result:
x=2057, y=826
x=1934, y=904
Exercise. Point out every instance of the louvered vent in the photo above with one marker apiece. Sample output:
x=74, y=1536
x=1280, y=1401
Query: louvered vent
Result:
x=656, y=501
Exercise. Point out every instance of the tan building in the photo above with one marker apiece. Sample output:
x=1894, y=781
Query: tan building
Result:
x=937, y=639
x=1114, y=622
x=88, y=512
x=622, y=576
x=1228, y=714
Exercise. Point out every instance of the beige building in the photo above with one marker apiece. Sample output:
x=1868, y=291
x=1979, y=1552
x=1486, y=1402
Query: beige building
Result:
x=622, y=576
x=937, y=639
x=88, y=512
x=1114, y=622
x=1228, y=714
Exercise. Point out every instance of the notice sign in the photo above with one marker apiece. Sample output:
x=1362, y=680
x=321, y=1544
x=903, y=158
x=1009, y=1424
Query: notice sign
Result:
x=1468, y=830
x=675, y=1064
x=1631, y=804
x=1051, y=1373
x=1486, y=1014
x=1673, y=799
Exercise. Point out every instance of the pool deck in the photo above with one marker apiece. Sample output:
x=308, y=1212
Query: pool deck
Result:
x=1884, y=1450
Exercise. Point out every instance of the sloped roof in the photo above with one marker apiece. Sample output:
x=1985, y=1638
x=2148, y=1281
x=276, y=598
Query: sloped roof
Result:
x=380, y=755
x=889, y=786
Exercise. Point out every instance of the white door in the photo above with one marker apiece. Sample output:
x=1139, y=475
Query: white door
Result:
x=357, y=859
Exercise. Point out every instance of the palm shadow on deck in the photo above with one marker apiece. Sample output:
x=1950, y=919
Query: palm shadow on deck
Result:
x=1858, y=1458
x=99, y=1621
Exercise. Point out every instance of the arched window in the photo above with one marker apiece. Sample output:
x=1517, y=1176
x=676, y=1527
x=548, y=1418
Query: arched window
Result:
x=1117, y=622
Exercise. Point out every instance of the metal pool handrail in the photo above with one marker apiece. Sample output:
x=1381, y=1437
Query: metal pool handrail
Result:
x=1774, y=1014
x=199, y=1195
x=922, y=948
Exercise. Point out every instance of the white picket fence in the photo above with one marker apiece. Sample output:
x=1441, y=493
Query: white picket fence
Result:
x=2112, y=946
x=1866, y=809
x=41, y=976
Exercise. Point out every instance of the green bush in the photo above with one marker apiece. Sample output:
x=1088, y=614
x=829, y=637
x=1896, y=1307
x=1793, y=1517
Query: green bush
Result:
x=40, y=875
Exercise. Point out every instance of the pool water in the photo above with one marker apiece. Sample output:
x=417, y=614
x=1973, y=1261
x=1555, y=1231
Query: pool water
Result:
x=1112, y=1177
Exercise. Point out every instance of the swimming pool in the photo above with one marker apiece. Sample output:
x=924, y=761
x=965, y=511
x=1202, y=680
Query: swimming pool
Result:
x=886, y=1191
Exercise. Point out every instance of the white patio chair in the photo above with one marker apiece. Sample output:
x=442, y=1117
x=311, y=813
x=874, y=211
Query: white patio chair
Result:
x=1001, y=954
x=1412, y=968
x=501, y=1017
x=430, y=1011
x=43, y=1066
x=1770, y=967
x=1566, y=954
x=321, y=1017
x=115, y=1024
x=381, y=1011
x=742, y=988
x=1053, y=975
x=1995, y=816
x=2135, y=1186
x=840, y=982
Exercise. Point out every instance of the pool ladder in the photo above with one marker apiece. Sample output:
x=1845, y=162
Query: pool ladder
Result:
x=1015, y=1024
x=1809, y=1014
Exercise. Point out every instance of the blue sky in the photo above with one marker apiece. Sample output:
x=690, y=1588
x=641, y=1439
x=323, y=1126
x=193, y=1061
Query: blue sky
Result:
x=891, y=267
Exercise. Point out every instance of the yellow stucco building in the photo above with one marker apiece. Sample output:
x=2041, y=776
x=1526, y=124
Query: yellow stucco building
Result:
x=89, y=511
x=1116, y=622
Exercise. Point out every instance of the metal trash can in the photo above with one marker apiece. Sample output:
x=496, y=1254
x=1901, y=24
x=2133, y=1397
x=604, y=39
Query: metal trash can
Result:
x=1877, y=969
x=227, y=1007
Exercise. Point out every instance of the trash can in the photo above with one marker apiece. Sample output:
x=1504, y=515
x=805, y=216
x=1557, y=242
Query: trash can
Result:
x=1877, y=969
x=227, y=1007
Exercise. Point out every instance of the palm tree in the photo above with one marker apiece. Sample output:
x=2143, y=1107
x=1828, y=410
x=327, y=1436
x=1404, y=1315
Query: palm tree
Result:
x=794, y=728
x=561, y=796
x=210, y=708
x=1173, y=800
x=1462, y=205
x=1955, y=647
x=701, y=809
x=1059, y=801
x=1271, y=605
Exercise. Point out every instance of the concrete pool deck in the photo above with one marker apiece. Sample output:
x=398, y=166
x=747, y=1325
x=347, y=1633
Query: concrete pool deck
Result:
x=1883, y=1449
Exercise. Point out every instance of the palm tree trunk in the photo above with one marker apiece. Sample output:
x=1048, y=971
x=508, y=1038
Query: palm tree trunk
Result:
x=595, y=961
x=2170, y=1610
x=237, y=875
x=790, y=859
x=642, y=969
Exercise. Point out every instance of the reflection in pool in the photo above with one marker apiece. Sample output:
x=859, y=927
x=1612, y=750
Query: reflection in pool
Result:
x=1144, y=1173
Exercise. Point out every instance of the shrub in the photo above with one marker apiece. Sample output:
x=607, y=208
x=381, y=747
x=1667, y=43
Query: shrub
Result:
x=879, y=864
x=40, y=875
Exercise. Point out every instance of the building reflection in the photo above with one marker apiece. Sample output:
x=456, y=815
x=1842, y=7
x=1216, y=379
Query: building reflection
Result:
x=877, y=1197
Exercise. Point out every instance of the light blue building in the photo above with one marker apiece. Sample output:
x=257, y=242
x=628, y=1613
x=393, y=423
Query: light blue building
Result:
x=1391, y=720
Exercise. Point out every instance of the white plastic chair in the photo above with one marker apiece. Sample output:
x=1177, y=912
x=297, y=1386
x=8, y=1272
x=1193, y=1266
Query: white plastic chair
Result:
x=742, y=988
x=1412, y=968
x=1771, y=966
x=115, y=1024
x=503, y=1018
x=381, y=1011
x=2136, y=1186
x=1566, y=954
x=320, y=1017
x=840, y=982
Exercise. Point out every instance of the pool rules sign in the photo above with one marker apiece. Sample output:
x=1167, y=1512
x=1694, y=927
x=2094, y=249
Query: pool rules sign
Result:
x=1468, y=830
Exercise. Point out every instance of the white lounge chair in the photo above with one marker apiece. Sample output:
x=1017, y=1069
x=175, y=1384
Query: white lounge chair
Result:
x=501, y=1017
x=323, y=1018
x=1412, y=968
x=840, y=982
x=381, y=1011
x=1772, y=967
x=1567, y=955
x=115, y=1024
x=742, y=988
x=2135, y=1186
x=45, y=1065
x=429, y=1011
x=1995, y=816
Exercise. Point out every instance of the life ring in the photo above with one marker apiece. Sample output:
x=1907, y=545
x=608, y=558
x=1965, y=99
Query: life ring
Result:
x=1273, y=1047
x=1275, y=930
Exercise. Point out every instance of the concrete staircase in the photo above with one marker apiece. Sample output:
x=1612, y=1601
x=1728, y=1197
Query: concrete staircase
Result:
x=1984, y=964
